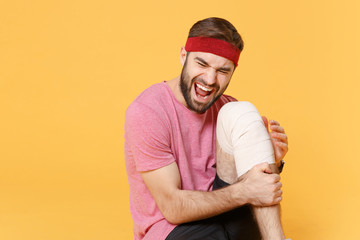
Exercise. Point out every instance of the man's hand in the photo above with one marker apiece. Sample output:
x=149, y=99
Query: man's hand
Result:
x=261, y=186
x=278, y=138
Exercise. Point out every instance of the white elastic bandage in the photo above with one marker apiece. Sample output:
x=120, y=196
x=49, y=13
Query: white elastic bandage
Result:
x=240, y=131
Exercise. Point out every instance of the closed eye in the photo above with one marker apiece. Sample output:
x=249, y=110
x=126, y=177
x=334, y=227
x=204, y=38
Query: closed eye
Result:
x=201, y=64
x=224, y=71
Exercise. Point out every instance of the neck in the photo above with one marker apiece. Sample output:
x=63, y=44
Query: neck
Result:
x=174, y=85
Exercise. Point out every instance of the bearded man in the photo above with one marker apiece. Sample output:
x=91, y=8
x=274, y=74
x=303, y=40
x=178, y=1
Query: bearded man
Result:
x=195, y=173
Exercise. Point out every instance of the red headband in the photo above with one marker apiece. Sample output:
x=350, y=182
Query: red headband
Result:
x=214, y=46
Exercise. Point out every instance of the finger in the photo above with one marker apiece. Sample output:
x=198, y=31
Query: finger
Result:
x=277, y=200
x=277, y=189
x=274, y=122
x=278, y=186
x=279, y=136
x=275, y=178
x=266, y=122
x=264, y=167
x=277, y=128
x=278, y=193
x=283, y=146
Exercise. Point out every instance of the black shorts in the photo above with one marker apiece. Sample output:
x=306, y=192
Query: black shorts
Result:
x=238, y=224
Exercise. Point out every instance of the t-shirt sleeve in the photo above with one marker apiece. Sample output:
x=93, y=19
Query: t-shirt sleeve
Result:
x=148, y=138
x=231, y=99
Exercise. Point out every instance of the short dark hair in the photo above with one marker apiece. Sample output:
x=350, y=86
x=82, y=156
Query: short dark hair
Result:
x=217, y=28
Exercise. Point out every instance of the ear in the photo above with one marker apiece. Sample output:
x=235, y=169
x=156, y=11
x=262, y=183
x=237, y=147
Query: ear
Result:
x=183, y=54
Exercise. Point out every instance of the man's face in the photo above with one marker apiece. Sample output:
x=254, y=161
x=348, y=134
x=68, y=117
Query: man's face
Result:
x=204, y=78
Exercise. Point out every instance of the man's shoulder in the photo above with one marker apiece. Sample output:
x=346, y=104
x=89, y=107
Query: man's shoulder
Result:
x=153, y=95
x=152, y=101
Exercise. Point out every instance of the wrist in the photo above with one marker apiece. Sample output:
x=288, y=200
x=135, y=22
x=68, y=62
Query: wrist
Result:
x=280, y=165
x=238, y=193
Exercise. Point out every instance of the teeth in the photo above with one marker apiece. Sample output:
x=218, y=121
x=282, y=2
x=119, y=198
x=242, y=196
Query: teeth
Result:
x=203, y=88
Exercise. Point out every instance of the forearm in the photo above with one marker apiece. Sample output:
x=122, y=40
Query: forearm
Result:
x=186, y=206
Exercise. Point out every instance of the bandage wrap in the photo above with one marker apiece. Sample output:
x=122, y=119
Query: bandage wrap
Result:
x=214, y=46
x=241, y=132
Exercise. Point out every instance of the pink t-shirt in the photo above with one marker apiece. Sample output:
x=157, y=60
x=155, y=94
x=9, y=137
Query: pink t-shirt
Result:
x=158, y=131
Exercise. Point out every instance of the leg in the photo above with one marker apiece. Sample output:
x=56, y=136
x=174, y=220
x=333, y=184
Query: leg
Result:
x=240, y=223
x=243, y=142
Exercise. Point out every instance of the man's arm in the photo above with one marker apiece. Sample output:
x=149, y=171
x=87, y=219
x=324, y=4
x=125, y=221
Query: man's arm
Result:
x=179, y=206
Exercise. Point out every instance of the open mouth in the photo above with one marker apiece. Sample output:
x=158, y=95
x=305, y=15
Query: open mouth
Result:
x=202, y=92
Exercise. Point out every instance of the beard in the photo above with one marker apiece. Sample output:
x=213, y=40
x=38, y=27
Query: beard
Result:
x=186, y=84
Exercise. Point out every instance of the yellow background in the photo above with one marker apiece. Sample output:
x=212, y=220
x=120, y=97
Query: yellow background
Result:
x=69, y=69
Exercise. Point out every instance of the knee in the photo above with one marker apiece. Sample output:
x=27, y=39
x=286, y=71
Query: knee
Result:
x=237, y=114
x=235, y=117
x=239, y=108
